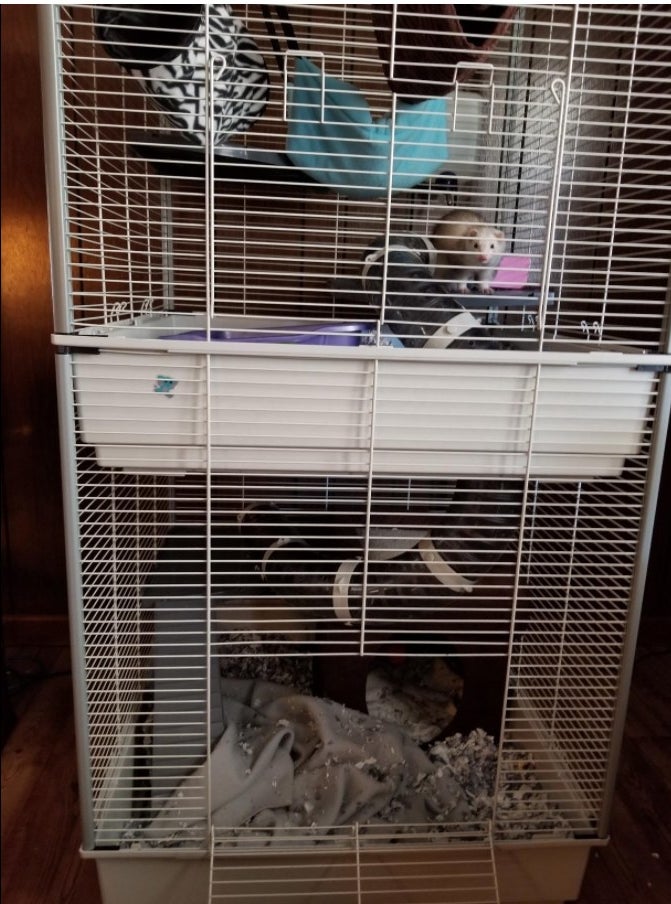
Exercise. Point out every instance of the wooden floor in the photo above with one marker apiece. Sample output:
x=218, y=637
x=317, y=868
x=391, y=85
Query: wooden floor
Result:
x=40, y=828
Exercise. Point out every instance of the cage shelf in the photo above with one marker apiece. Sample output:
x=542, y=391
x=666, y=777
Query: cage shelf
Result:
x=170, y=158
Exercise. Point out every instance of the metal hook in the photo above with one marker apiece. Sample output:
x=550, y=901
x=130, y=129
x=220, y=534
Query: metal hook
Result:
x=222, y=68
x=558, y=88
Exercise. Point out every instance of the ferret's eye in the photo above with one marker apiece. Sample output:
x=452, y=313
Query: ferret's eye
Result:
x=491, y=247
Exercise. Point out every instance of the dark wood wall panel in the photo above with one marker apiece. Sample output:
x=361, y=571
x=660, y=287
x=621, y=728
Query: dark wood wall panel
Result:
x=32, y=528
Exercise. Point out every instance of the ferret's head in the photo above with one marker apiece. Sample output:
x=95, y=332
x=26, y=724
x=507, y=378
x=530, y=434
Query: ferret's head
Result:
x=484, y=244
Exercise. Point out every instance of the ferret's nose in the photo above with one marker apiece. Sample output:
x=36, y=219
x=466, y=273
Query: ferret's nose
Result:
x=483, y=258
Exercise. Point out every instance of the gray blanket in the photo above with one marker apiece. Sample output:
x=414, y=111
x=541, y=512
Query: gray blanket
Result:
x=287, y=760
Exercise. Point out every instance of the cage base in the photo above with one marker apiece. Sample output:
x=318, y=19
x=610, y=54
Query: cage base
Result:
x=527, y=873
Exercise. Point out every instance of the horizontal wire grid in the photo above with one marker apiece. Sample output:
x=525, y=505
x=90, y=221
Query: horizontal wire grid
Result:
x=249, y=515
x=287, y=246
x=571, y=617
x=122, y=521
x=295, y=568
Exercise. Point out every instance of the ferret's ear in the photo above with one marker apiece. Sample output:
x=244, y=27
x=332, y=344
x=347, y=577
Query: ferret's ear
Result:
x=472, y=232
x=499, y=234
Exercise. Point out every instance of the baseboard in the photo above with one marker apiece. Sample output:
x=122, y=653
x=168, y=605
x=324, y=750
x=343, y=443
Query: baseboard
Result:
x=35, y=631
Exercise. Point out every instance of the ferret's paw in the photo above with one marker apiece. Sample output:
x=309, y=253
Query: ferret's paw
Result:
x=486, y=289
x=462, y=287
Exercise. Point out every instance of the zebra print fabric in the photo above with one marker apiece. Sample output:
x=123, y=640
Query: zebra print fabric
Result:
x=178, y=87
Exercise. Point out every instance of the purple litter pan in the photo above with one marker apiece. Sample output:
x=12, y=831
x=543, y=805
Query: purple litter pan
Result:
x=348, y=334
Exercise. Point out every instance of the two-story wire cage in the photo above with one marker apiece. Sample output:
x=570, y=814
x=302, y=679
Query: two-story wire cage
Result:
x=358, y=511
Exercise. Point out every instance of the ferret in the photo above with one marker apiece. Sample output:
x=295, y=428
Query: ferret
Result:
x=469, y=250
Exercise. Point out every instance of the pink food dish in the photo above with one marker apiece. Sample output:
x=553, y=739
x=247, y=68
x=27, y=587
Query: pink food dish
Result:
x=513, y=272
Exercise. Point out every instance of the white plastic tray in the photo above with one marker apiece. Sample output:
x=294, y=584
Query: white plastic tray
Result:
x=168, y=411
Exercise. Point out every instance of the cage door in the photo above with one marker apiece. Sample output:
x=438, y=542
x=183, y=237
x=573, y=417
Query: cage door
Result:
x=355, y=866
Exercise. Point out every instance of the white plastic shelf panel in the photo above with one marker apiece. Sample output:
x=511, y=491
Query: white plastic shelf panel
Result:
x=245, y=410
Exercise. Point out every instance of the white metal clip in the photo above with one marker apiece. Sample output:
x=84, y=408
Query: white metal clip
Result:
x=478, y=67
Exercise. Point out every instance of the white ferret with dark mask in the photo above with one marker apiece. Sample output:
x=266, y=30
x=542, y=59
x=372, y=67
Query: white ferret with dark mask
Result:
x=469, y=250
